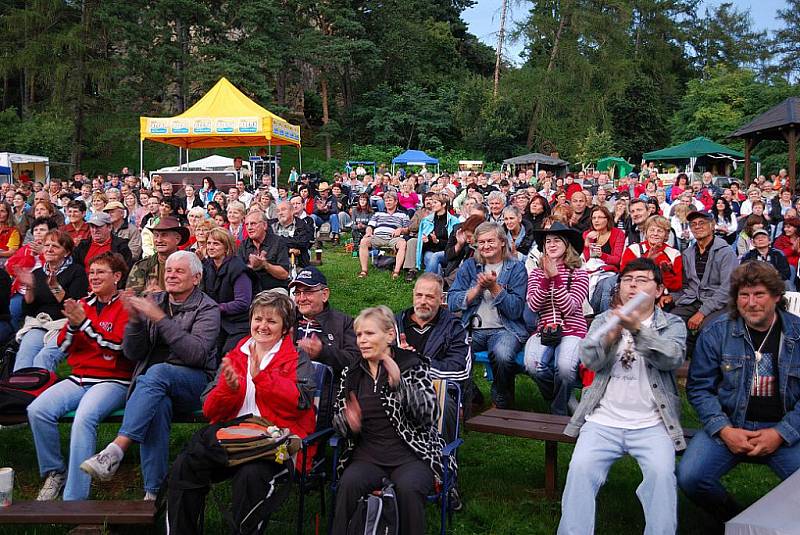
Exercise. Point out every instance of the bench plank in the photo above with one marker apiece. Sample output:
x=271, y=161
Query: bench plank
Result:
x=79, y=512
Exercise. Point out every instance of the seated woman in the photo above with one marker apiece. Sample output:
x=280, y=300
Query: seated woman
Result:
x=620, y=218
x=518, y=231
x=98, y=385
x=263, y=376
x=236, y=212
x=28, y=257
x=725, y=224
x=744, y=243
x=360, y=213
x=679, y=225
x=399, y=442
x=226, y=281
x=201, y=231
x=407, y=198
x=556, y=291
x=434, y=232
x=603, y=245
x=46, y=289
x=9, y=235
x=789, y=242
x=669, y=260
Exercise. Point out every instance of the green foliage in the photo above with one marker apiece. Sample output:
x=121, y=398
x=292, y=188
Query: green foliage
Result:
x=594, y=146
x=39, y=133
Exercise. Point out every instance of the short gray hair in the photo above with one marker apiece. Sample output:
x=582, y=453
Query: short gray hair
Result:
x=496, y=195
x=195, y=265
x=391, y=194
x=197, y=210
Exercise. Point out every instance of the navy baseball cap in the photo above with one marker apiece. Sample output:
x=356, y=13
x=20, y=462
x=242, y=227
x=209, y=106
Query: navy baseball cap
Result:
x=698, y=214
x=310, y=277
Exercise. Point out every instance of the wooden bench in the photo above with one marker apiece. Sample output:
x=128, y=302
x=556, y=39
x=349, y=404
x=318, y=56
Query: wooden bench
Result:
x=113, y=418
x=546, y=427
x=90, y=516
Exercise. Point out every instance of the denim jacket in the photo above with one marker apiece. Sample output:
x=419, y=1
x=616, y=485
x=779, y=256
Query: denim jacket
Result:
x=722, y=370
x=510, y=302
x=662, y=345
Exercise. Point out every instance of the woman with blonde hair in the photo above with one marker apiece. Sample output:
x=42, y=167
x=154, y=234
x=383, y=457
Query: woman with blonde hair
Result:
x=556, y=292
x=655, y=247
x=620, y=217
x=201, y=235
x=386, y=412
x=680, y=226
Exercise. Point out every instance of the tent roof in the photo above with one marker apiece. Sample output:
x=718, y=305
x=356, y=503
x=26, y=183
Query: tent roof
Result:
x=604, y=164
x=414, y=156
x=768, y=124
x=223, y=117
x=11, y=157
x=536, y=157
x=215, y=161
x=699, y=146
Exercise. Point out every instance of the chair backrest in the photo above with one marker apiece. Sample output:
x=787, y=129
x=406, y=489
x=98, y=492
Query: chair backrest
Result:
x=323, y=394
x=793, y=302
x=445, y=403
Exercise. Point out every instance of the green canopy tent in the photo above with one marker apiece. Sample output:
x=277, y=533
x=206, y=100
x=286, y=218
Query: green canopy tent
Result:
x=700, y=150
x=614, y=164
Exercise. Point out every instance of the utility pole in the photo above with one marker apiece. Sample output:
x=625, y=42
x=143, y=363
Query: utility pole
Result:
x=500, y=36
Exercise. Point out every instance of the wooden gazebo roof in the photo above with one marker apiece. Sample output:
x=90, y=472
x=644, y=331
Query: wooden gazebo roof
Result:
x=781, y=122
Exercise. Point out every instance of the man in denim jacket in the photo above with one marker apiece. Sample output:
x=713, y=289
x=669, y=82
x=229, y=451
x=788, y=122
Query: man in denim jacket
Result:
x=492, y=287
x=631, y=407
x=744, y=383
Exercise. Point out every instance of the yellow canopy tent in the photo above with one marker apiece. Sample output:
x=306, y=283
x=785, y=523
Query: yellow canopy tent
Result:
x=224, y=117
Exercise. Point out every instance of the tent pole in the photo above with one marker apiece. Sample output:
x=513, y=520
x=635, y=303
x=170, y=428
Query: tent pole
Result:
x=300, y=157
x=141, y=159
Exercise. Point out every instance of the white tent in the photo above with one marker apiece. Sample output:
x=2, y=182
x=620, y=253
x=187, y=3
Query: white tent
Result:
x=12, y=165
x=214, y=162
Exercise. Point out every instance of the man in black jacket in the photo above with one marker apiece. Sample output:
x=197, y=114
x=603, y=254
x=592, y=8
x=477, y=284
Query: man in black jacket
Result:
x=325, y=334
x=101, y=241
x=297, y=234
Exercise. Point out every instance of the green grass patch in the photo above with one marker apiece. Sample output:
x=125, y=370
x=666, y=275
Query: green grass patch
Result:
x=500, y=477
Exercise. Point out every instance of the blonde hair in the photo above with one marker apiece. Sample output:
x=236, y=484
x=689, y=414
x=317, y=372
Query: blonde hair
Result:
x=658, y=221
x=224, y=236
x=681, y=211
x=381, y=314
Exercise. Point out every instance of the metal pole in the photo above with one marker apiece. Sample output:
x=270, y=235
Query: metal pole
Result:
x=300, y=157
x=141, y=159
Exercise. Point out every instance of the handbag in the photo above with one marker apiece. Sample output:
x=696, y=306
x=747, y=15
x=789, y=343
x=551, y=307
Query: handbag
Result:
x=251, y=437
x=552, y=333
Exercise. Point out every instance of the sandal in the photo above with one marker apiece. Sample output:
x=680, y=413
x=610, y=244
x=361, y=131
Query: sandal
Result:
x=362, y=275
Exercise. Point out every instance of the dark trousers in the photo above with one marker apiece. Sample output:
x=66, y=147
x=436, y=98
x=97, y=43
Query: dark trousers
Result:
x=412, y=481
x=687, y=311
x=202, y=463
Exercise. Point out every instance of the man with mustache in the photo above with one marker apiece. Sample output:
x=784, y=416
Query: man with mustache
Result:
x=745, y=386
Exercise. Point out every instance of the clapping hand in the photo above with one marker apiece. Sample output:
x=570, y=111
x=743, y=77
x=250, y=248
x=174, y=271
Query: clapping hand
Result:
x=74, y=312
x=487, y=280
x=258, y=261
x=404, y=343
x=229, y=374
x=25, y=277
x=147, y=307
x=311, y=345
x=549, y=266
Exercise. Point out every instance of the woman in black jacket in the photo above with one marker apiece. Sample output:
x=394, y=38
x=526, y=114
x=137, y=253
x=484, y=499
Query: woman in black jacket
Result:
x=386, y=410
x=46, y=288
x=518, y=231
x=227, y=281
x=538, y=210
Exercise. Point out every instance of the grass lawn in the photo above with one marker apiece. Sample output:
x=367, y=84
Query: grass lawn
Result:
x=500, y=478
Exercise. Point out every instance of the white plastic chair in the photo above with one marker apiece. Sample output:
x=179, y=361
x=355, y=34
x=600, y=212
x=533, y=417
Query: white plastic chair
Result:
x=793, y=302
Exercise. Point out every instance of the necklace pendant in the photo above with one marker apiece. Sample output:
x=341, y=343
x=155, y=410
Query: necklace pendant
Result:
x=758, y=356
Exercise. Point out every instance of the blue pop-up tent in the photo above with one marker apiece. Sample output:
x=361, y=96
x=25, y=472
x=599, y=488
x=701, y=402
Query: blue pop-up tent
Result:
x=415, y=157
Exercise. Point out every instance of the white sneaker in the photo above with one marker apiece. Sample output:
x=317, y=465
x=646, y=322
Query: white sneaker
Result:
x=52, y=487
x=101, y=466
x=149, y=497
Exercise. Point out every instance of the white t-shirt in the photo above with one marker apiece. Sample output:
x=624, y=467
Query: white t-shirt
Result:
x=628, y=402
x=249, y=405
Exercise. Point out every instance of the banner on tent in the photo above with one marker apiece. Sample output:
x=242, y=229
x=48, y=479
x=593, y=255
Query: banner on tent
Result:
x=282, y=129
x=172, y=126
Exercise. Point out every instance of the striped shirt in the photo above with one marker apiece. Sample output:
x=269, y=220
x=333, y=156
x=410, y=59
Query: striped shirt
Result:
x=555, y=304
x=384, y=224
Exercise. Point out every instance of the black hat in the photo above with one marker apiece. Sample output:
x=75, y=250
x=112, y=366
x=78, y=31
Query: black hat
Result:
x=310, y=277
x=695, y=214
x=572, y=236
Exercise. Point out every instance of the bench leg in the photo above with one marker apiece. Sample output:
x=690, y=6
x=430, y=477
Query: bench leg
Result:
x=551, y=470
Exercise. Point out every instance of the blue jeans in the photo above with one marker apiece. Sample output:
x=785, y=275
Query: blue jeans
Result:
x=15, y=309
x=707, y=459
x=377, y=203
x=554, y=369
x=92, y=404
x=148, y=414
x=601, y=298
x=598, y=447
x=503, y=347
x=34, y=352
x=433, y=261
x=333, y=219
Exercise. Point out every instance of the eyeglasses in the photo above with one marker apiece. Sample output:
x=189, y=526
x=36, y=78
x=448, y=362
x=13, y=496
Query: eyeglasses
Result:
x=305, y=291
x=640, y=281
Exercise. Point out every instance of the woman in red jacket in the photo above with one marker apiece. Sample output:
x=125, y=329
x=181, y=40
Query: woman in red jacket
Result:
x=789, y=242
x=668, y=259
x=263, y=376
x=92, y=340
x=603, y=244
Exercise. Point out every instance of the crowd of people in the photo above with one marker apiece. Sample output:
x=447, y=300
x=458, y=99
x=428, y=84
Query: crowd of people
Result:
x=166, y=299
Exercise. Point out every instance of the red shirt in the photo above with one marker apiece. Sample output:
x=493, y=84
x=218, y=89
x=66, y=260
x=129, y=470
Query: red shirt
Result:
x=94, y=250
x=77, y=235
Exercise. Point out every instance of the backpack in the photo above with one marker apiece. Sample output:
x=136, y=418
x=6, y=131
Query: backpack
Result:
x=376, y=513
x=8, y=356
x=22, y=387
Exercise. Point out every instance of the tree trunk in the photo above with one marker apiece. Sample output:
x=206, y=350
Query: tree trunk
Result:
x=323, y=82
x=499, y=56
x=181, y=31
x=534, y=124
x=80, y=85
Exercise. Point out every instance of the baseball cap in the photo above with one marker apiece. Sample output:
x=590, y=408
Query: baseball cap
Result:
x=760, y=231
x=695, y=214
x=310, y=277
x=99, y=219
x=113, y=205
